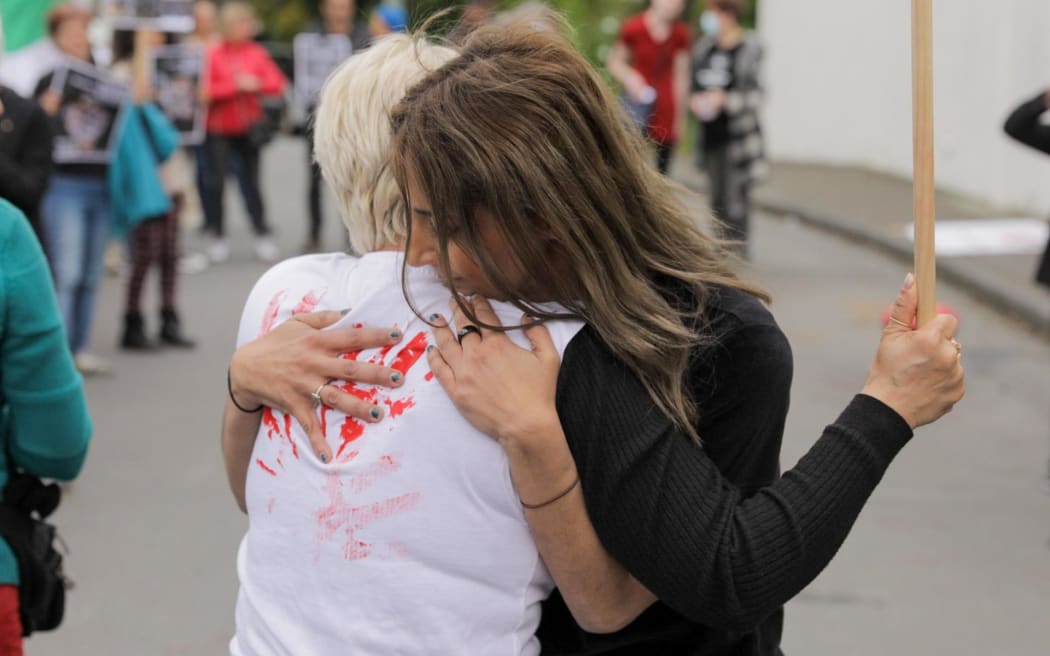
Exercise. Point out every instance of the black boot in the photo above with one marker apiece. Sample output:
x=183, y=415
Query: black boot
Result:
x=135, y=333
x=171, y=333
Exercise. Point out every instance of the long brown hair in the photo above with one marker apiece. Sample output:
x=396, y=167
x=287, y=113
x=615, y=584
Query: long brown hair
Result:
x=523, y=127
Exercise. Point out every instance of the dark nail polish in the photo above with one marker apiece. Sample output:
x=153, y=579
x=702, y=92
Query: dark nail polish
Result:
x=430, y=348
x=396, y=334
x=345, y=312
x=396, y=377
x=375, y=413
x=433, y=317
x=324, y=457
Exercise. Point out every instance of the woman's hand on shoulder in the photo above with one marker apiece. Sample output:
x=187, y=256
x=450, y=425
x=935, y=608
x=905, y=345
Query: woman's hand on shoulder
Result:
x=284, y=367
x=505, y=391
x=917, y=372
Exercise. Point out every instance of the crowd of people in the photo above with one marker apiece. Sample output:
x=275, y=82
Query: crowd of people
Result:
x=117, y=185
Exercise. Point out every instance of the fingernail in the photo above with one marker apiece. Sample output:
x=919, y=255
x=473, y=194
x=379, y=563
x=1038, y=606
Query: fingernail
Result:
x=433, y=317
x=344, y=312
x=396, y=334
x=430, y=348
x=324, y=457
x=374, y=413
x=395, y=377
x=909, y=280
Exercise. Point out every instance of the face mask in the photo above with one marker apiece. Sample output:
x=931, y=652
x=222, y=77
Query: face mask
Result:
x=710, y=24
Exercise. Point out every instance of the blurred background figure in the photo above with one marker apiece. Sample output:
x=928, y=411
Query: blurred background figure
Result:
x=205, y=26
x=150, y=181
x=44, y=423
x=75, y=209
x=239, y=73
x=1027, y=124
x=725, y=98
x=25, y=155
x=651, y=60
x=475, y=14
x=337, y=17
x=388, y=17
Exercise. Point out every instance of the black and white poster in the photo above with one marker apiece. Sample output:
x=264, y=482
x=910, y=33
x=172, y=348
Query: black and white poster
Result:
x=158, y=15
x=176, y=72
x=316, y=56
x=88, y=114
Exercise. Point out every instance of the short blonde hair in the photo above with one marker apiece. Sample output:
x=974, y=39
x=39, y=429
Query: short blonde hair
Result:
x=231, y=12
x=352, y=134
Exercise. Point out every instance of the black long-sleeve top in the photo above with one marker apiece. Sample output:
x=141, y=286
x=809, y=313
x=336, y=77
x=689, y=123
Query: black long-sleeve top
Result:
x=714, y=531
x=25, y=155
x=1023, y=124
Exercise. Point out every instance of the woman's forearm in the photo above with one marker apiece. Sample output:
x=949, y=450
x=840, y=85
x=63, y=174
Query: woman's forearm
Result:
x=238, y=439
x=602, y=596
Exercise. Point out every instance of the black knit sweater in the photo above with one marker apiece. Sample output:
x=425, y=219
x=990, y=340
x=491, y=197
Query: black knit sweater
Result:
x=714, y=531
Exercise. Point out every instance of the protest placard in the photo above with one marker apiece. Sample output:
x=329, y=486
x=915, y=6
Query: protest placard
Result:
x=88, y=113
x=176, y=72
x=316, y=56
x=158, y=15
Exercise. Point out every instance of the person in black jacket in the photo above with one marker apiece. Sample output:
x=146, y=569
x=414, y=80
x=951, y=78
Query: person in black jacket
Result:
x=25, y=155
x=1024, y=124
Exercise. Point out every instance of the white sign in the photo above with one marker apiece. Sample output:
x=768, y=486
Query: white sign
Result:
x=157, y=15
x=988, y=236
x=176, y=72
x=88, y=113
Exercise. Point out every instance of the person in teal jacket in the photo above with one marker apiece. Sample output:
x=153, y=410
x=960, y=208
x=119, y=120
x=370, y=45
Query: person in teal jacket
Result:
x=44, y=422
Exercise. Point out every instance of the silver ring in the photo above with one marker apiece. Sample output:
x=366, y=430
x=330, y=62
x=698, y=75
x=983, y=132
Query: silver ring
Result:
x=466, y=330
x=316, y=394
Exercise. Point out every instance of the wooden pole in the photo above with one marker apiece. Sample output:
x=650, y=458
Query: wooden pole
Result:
x=922, y=142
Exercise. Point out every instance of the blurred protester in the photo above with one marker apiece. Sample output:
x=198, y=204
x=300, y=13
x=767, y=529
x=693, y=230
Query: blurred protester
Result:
x=1026, y=125
x=204, y=31
x=25, y=155
x=725, y=98
x=239, y=73
x=651, y=60
x=45, y=428
x=337, y=17
x=75, y=209
x=149, y=182
x=475, y=14
x=387, y=17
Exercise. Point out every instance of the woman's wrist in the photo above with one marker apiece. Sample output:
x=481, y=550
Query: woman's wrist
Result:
x=243, y=396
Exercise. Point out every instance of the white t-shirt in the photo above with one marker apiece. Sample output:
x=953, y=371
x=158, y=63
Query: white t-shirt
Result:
x=412, y=541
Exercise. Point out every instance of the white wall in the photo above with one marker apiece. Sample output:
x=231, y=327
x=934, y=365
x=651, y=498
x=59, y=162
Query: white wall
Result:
x=838, y=77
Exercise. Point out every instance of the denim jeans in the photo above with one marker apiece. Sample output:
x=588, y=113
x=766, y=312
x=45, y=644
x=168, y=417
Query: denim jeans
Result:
x=76, y=217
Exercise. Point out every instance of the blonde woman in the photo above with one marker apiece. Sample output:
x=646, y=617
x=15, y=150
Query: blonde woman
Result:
x=406, y=536
x=523, y=185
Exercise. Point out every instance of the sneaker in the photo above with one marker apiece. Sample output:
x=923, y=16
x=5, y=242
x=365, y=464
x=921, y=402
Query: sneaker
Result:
x=266, y=250
x=192, y=263
x=90, y=364
x=219, y=250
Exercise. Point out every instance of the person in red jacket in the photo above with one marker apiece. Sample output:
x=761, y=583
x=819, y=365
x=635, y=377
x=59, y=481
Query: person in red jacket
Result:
x=239, y=73
x=651, y=60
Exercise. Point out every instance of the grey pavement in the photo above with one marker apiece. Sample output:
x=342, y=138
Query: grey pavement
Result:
x=951, y=554
x=875, y=208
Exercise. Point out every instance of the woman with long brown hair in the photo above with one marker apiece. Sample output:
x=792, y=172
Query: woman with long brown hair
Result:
x=524, y=185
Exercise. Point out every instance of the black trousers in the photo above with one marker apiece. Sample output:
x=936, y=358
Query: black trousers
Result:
x=221, y=150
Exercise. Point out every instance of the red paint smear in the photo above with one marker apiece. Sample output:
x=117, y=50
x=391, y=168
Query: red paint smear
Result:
x=288, y=435
x=269, y=506
x=341, y=515
x=352, y=355
x=398, y=407
x=429, y=376
x=409, y=355
x=272, y=309
x=351, y=430
x=270, y=422
x=380, y=358
x=309, y=302
x=359, y=483
x=363, y=394
x=266, y=469
x=359, y=325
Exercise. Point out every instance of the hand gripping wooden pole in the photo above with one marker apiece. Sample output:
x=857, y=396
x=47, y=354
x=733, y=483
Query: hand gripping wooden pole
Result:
x=922, y=142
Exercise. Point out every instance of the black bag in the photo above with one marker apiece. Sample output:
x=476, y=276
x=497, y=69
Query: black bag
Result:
x=261, y=132
x=42, y=585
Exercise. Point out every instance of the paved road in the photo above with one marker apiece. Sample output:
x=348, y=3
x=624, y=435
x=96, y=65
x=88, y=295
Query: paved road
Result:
x=952, y=554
